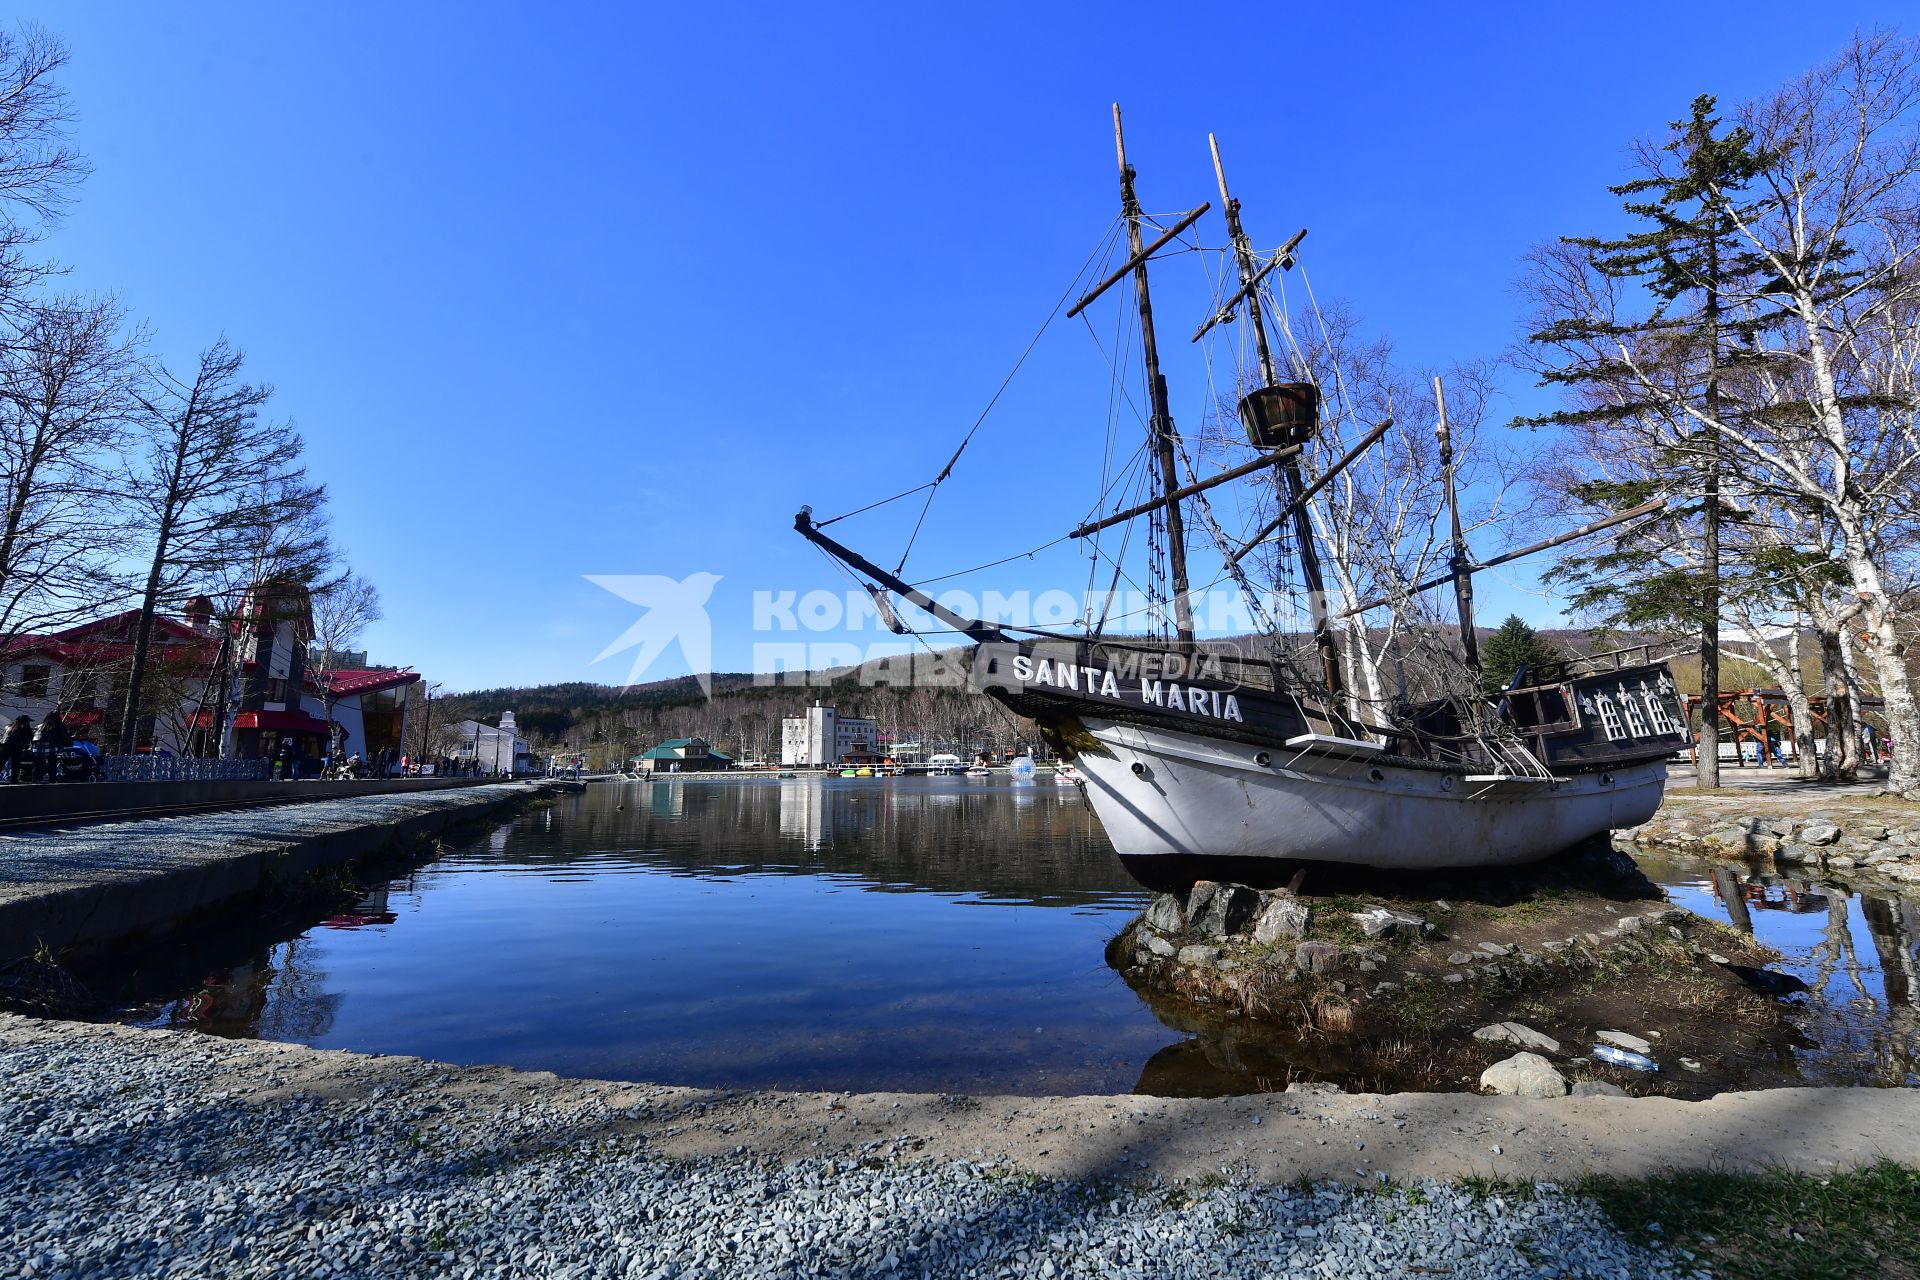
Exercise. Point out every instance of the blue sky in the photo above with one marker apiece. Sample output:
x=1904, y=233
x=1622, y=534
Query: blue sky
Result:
x=615, y=289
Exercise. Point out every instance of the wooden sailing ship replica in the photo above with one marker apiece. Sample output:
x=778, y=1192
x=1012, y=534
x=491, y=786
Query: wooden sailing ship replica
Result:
x=1205, y=764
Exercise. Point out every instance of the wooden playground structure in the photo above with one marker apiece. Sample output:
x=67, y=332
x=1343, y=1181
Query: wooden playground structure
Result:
x=1767, y=723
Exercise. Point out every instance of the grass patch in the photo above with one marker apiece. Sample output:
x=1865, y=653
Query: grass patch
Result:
x=1781, y=1226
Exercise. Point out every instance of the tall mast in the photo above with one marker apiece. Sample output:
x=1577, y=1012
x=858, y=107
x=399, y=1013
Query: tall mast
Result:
x=1293, y=483
x=1160, y=425
x=1462, y=563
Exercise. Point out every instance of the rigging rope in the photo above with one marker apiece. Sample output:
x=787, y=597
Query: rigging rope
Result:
x=1112, y=232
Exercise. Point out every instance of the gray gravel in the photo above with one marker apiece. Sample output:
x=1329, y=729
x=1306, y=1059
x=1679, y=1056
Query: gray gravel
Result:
x=121, y=1164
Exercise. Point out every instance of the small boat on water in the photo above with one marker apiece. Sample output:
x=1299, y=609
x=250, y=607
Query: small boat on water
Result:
x=1208, y=764
x=1067, y=776
x=979, y=771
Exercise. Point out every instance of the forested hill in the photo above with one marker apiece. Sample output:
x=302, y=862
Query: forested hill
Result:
x=743, y=716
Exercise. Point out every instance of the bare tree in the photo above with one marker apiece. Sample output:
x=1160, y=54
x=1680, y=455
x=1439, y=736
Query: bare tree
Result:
x=342, y=611
x=210, y=478
x=65, y=395
x=38, y=170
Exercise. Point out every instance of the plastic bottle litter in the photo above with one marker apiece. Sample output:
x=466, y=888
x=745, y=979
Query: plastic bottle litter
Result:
x=1625, y=1058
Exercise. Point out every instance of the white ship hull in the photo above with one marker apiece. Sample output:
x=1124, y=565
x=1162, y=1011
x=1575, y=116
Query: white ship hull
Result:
x=1179, y=806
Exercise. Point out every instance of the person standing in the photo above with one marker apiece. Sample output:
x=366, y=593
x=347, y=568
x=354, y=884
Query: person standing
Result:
x=17, y=748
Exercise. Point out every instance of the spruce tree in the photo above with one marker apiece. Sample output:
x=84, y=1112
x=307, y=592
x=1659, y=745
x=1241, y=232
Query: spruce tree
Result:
x=1513, y=647
x=1684, y=255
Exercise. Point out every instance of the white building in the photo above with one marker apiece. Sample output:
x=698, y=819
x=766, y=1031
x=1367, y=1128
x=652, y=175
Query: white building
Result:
x=498, y=749
x=824, y=737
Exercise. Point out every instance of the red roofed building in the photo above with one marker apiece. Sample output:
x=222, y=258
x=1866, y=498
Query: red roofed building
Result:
x=237, y=690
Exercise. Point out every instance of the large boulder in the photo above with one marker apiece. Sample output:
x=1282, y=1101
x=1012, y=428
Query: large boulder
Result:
x=1283, y=916
x=1166, y=914
x=1524, y=1075
x=1220, y=910
x=1819, y=833
x=1319, y=957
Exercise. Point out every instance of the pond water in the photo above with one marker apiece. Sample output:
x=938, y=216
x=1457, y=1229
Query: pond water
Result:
x=940, y=935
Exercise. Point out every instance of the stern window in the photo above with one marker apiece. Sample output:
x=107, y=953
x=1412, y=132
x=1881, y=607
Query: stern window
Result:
x=1609, y=718
x=1636, y=723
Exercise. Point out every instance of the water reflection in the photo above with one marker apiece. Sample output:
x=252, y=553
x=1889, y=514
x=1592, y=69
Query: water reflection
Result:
x=912, y=934
x=1857, y=948
x=776, y=933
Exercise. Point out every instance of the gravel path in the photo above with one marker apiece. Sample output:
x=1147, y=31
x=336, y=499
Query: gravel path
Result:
x=135, y=1154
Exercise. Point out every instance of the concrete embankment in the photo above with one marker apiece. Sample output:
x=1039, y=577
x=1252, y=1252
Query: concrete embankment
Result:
x=85, y=891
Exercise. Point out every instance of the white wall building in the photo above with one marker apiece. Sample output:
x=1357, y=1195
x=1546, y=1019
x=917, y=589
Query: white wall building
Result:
x=498, y=749
x=824, y=737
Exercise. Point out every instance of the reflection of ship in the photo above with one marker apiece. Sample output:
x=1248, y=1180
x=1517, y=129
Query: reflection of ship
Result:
x=1201, y=762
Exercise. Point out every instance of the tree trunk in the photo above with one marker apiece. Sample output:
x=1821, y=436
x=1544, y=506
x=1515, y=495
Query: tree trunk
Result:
x=1842, y=763
x=1876, y=603
x=136, y=677
x=1785, y=670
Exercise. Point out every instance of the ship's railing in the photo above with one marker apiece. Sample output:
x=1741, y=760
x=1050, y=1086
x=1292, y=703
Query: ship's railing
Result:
x=1633, y=655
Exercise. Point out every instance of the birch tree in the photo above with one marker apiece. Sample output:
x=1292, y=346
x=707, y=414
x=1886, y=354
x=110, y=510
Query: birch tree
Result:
x=1823, y=419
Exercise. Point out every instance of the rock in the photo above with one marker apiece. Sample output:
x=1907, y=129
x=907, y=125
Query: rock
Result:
x=1524, y=1075
x=1378, y=922
x=1220, y=910
x=1728, y=837
x=1319, y=957
x=1282, y=917
x=1497, y=948
x=1624, y=1040
x=1794, y=854
x=1842, y=861
x=1460, y=957
x=1319, y=1088
x=1868, y=831
x=1166, y=914
x=1198, y=955
x=1627, y=924
x=1159, y=946
x=1518, y=1035
x=1819, y=833
x=1453, y=977
x=1598, y=1089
